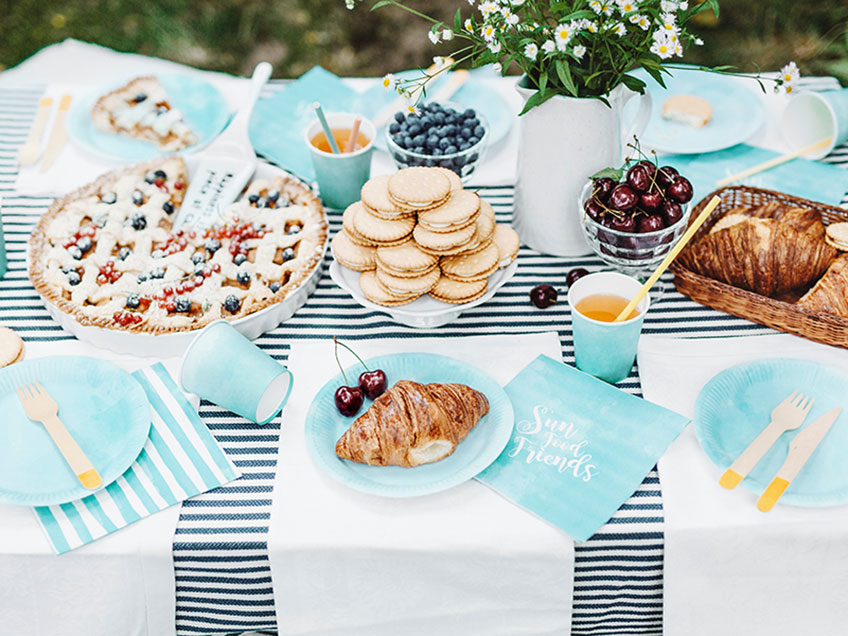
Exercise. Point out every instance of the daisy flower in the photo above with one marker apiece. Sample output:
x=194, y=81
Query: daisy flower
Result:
x=626, y=6
x=548, y=46
x=434, y=37
x=495, y=47
x=579, y=51
x=468, y=25
x=497, y=67
x=602, y=7
x=789, y=74
x=531, y=51
x=684, y=5
x=447, y=34
x=488, y=8
x=509, y=17
x=488, y=32
x=641, y=20
x=588, y=25
x=668, y=5
x=620, y=29
x=564, y=32
x=388, y=80
x=668, y=22
x=662, y=47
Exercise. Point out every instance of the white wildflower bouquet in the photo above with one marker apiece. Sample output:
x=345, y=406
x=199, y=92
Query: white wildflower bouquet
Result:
x=574, y=48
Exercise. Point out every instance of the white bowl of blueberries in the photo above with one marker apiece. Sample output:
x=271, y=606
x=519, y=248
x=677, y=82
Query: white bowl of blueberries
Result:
x=440, y=134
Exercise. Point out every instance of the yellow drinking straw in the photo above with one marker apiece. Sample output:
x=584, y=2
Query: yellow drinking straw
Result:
x=668, y=258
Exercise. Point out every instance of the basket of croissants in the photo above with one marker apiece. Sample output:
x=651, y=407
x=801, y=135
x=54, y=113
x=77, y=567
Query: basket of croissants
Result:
x=767, y=257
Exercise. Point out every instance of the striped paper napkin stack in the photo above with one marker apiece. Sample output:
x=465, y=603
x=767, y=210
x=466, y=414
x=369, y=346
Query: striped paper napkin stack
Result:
x=181, y=459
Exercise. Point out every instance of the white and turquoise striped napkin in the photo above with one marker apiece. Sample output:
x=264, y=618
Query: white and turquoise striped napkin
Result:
x=181, y=459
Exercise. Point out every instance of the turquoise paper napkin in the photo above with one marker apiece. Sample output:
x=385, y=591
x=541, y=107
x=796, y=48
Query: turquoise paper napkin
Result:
x=812, y=180
x=181, y=459
x=580, y=447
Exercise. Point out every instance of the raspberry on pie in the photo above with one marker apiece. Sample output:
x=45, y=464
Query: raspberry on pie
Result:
x=106, y=253
x=141, y=110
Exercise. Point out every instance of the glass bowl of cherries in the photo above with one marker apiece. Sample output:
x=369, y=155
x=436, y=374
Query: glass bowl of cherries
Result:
x=634, y=215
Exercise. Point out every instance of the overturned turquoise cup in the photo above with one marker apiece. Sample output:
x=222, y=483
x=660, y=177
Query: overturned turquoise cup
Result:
x=224, y=367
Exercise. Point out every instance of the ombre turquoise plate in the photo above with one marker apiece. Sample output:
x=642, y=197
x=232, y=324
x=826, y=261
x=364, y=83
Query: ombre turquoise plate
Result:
x=325, y=425
x=103, y=407
x=202, y=105
x=735, y=406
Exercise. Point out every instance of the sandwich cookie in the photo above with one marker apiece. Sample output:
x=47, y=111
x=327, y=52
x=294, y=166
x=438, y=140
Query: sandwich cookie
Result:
x=348, y=254
x=350, y=230
x=461, y=209
x=405, y=260
x=456, y=293
x=443, y=243
x=455, y=181
x=378, y=294
x=377, y=230
x=467, y=268
x=375, y=197
x=507, y=242
x=837, y=236
x=419, y=188
x=485, y=230
x=403, y=286
x=11, y=347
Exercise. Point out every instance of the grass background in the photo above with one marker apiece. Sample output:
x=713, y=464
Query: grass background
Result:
x=294, y=35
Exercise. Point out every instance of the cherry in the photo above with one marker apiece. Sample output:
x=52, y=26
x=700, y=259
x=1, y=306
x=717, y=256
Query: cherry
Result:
x=373, y=383
x=623, y=198
x=650, y=201
x=602, y=188
x=638, y=178
x=650, y=167
x=650, y=223
x=348, y=400
x=572, y=276
x=681, y=190
x=665, y=176
x=623, y=223
x=543, y=296
x=671, y=213
x=594, y=209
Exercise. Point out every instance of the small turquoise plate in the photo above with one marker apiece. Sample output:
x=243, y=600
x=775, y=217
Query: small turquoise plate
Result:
x=737, y=113
x=736, y=405
x=103, y=407
x=325, y=425
x=202, y=106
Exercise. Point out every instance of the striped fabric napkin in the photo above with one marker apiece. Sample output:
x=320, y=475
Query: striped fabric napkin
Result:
x=181, y=459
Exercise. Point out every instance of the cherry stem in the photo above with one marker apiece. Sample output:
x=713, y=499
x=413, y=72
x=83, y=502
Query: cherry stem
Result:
x=352, y=351
x=336, y=351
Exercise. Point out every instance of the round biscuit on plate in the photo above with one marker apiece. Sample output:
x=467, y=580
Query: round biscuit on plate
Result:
x=380, y=231
x=461, y=209
x=406, y=259
x=350, y=230
x=837, y=235
x=11, y=347
x=352, y=256
x=439, y=243
x=455, y=181
x=508, y=244
x=375, y=196
x=405, y=285
x=457, y=293
x=471, y=267
x=418, y=187
x=485, y=229
x=378, y=294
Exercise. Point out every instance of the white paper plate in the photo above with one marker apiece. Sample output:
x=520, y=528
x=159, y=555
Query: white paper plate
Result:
x=425, y=312
x=174, y=344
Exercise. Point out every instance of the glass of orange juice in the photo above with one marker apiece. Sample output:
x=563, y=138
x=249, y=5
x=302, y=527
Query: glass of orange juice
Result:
x=603, y=348
x=340, y=176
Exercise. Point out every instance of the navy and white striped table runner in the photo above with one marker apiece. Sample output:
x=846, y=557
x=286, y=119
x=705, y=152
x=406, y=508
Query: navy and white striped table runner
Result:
x=220, y=546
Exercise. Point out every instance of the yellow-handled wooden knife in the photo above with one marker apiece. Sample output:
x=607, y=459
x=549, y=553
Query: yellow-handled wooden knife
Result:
x=800, y=449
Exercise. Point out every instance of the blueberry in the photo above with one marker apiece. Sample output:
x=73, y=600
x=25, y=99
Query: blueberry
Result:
x=473, y=140
x=262, y=202
x=288, y=254
x=157, y=272
x=239, y=258
x=444, y=143
x=294, y=229
x=157, y=254
x=138, y=197
x=473, y=158
x=67, y=268
x=430, y=163
x=466, y=133
x=398, y=139
x=232, y=303
x=140, y=97
x=479, y=131
x=109, y=198
x=124, y=253
x=99, y=220
x=183, y=305
x=432, y=142
x=133, y=301
x=139, y=221
x=141, y=277
x=419, y=140
x=198, y=257
x=84, y=243
x=439, y=118
x=419, y=150
x=161, y=174
x=464, y=146
x=243, y=278
x=451, y=150
x=273, y=195
x=451, y=130
x=75, y=252
x=74, y=277
x=399, y=117
x=199, y=267
x=469, y=114
x=274, y=287
x=437, y=152
x=407, y=141
x=212, y=245
x=161, y=110
x=168, y=207
x=149, y=176
x=426, y=121
x=394, y=128
x=253, y=198
x=446, y=163
x=414, y=129
x=458, y=162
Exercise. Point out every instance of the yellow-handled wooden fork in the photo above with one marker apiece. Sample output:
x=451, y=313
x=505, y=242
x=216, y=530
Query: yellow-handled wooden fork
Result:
x=40, y=407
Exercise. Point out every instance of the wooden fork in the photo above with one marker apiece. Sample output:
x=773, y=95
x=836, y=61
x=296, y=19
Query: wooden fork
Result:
x=40, y=407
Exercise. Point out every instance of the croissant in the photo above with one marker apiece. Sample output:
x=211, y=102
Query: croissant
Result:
x=412, y=424
x=830, y=294
x=769, y=249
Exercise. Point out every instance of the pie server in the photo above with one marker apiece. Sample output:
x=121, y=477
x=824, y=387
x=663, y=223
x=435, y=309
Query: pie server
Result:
x=800, y=449
x=225, y=166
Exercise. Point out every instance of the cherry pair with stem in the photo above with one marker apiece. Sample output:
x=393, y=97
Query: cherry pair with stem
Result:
x=372, y=384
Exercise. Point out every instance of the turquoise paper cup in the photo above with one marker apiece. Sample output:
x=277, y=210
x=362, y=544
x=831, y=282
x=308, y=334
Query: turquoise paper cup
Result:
x=224, y=367
x=341, y=176
x=810, y=117
x=606, y=350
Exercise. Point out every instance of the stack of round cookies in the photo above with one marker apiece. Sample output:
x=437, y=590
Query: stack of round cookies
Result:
x=418, y=232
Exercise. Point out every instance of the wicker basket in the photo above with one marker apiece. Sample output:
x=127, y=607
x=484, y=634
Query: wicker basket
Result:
x=777, y=314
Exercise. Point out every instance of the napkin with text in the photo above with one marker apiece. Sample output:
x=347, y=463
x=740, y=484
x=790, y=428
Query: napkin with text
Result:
x=580, y=446
x=181, y=459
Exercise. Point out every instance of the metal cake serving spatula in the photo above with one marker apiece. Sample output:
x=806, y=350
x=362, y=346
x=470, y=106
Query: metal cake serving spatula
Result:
x=225, y=166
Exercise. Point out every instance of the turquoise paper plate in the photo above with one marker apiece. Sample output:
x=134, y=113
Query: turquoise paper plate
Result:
x=202, y=105
x=736, y=405
x=325, y=425
x=102, y=406
x=737, y=113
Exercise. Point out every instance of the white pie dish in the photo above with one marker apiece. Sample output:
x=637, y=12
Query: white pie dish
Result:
x=174, y=344
x=424, y=312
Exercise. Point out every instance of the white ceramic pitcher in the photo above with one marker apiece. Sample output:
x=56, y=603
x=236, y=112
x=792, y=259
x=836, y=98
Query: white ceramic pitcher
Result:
x=561, y=143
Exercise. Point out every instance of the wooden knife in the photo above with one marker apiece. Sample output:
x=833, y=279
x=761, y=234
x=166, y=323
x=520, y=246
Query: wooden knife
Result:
x=58, y=137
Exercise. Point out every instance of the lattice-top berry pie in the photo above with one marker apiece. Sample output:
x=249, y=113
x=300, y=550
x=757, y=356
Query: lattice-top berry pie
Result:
x=106, y=253
x=141, y=110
